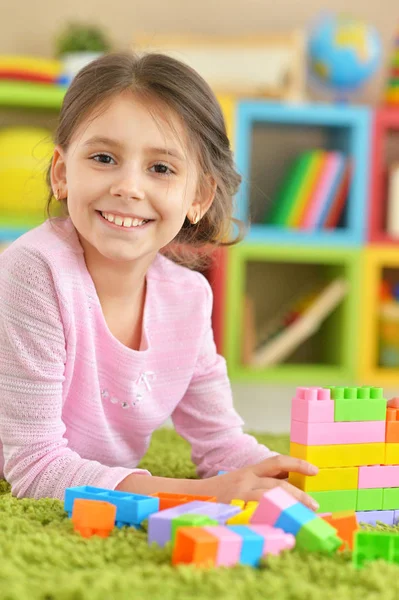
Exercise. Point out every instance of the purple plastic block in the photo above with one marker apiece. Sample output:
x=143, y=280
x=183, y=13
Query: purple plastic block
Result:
x=160, y=523
x=395, y=517
x=372, y=516
x=220, y=512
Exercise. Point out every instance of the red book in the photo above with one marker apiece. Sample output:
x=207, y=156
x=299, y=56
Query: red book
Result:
x=338, y=204
x=21, y=75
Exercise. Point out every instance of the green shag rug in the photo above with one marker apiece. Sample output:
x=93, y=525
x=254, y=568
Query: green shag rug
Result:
x=42, y=558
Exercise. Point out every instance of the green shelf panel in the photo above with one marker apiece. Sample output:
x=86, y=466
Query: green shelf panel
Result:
x=31, y=95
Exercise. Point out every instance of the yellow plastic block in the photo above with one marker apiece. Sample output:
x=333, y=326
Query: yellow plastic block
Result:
x=239, y=503
x=335, y=478
x=341, y=455
x=392, y=454
x=243, y=518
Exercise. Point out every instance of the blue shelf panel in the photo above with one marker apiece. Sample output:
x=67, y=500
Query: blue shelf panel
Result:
x=356, y=121
x=266, y=234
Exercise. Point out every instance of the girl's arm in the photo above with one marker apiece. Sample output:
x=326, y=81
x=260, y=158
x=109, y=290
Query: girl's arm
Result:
x=33, y=326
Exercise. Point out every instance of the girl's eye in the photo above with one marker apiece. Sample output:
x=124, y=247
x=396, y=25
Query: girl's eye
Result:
x=162, y=169
x=105, y=159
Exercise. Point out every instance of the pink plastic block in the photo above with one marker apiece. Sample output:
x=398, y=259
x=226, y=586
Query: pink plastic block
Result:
x=379, y=477
x=312, y=405
x=324, y=434
x=230, y=544
x=271, y=506
x=276, y=539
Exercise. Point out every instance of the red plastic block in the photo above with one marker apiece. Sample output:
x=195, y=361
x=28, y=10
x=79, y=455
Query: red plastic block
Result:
x=93, y=517
x=325, y=434
x=384, y=476
x=312, y=405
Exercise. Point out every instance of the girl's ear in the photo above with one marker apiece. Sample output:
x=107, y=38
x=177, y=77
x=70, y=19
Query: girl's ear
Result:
x=58, y=174
x=203, y=201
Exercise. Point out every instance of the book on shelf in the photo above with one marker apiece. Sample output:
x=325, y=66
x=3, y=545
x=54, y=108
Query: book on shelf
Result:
x=298, y=322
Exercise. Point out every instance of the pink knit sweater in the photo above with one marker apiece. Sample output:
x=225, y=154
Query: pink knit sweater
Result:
x=77, y=407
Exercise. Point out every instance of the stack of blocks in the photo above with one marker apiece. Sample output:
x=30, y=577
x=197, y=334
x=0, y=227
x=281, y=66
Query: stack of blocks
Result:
x=203, y=531
x=352, y=435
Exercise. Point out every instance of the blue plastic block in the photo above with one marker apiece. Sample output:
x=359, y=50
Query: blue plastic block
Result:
x=131, y=509
x=252, y=545
x=293, y=518
x=222, y=472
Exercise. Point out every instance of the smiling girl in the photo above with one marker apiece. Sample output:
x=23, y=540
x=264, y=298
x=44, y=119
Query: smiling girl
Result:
x=102, y=336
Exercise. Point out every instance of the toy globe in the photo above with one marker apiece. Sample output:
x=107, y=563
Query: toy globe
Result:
x=25, y=153
x=343, y=52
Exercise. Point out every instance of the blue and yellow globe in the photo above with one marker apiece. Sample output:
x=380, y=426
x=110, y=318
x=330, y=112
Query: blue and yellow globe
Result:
x=343, y=52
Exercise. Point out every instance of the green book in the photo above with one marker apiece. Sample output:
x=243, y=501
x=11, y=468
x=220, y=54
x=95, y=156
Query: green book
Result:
x=288, y=193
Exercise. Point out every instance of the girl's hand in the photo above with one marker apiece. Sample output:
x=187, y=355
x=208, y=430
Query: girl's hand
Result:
x=250, y=483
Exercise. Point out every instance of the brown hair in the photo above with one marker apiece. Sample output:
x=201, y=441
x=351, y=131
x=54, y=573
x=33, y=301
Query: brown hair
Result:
x=185, y=92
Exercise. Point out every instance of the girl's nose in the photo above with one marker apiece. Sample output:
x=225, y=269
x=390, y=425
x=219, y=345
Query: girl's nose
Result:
x=129, y=186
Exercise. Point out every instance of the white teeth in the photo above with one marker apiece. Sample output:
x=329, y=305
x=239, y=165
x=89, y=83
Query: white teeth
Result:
x=123, y=221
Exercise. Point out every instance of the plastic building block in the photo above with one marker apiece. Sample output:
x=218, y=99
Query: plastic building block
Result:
x=252, y=544
x=195, y=545
x=372, y=517
x=131, y=509
x=373, y=545
x=340, y=478
x=93, y=517
x=318, y=536
x=189, y=520
x=341, y=455
x=230, y=544
x=271, y=505
x=390, y=499
x=160, y=523
x=335, y=500
x=391, y=454
x=312, y=405
x=222, y=472
x=276, y=540
x=395, y=517
x=239, y=503
x=384, y=476
x=324, y=434
x=358, y=404
x=369, y=499
x=293, y=518
x=244, y=517
x=218, y=511
x=170, y=500
x=346, y=525
x=392, y=430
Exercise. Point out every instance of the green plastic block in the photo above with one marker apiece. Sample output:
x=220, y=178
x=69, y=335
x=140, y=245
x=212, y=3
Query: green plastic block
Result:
x=190, y=520
x=335, y=500
x=370, y=499
x=390, y=499
x=373, y=545
x=356, y=404
x=318, y=536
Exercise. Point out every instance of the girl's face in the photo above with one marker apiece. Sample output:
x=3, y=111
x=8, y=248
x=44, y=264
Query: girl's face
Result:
x=129, y=182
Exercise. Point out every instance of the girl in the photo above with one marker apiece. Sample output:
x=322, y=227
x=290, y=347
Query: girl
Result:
x=102, y=337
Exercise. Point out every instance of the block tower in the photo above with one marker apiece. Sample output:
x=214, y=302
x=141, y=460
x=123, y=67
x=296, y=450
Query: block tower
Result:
x=352, y=435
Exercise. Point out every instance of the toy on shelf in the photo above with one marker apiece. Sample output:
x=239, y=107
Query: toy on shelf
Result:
x=392, y=87
x=351, y=434
x=389, y=325
x=343, y=53
x=296, y=324
x=314, y=192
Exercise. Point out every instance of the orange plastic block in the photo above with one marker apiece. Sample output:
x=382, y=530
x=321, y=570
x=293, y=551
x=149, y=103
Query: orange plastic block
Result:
x=195, y=546
x=392, y=424
x=93, y=517
x=346, y=525
x=170, y=500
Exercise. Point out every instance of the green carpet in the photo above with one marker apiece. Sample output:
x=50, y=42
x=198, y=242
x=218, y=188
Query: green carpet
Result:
x=42, y=558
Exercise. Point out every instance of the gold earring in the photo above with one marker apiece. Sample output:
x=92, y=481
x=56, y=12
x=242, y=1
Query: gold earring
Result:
x=57, y=195
x=196, y=218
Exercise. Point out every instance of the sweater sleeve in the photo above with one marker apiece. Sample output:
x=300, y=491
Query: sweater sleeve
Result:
x=206, y=417
x=33, y=329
